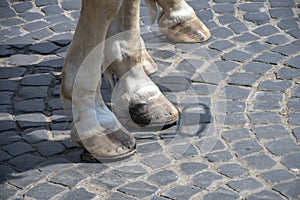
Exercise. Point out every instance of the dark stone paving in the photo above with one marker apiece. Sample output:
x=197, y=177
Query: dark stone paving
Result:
x=238, y=93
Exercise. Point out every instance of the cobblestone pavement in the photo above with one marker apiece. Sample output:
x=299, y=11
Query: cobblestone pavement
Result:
x=238, y=93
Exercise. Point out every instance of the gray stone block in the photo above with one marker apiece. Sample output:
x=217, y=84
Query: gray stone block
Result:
x=294, y=118
x=289, y=23
x=238, y=27
x=237, y=55
x=280, y=13
x=288, y=73
x=265, y=118
x=8, y=137
x=221, y=32
x=25, y=179
x=52, y=9
x=220, y=156
x=225, y=66
x=130, y=171
x=294, y=62
x=31, y=120
x=78, y=194
x=224, y=8
x=288, y=49
x=278, y=3
x=236, y=134
x=23, y=7
x=246, y=184
x=258, y=68
x=205, y=179
x=232, y=119
x=265, y=30
x=37, y=80
x=6, y=97
x=275, y=85
x=282, y=146
x=228, y=18
x=31, y=16
x=246, y=147
x=69, y=178
x=277, y=39
x=138, y=189
x=44, y=191
x=120, y=196
x=251, y=7
x=71, y=5
x=33, y=92
x=29, y=106
x=257, y=18
x=11, y=72
x=232, y=170
x=270, y=132
x=266, y=96
x=260, y=162
x=49, y=148
x=277, y=176
x=205, y=15
x=192, y=167
x=266, y=194
x=17, y=148
x=291, y=161
x=163, y=178
x=43, y=48
x=26, y=161
x=290, y=189
x=221, y=193
x=156, y=161
x=235, y=92
x=268, y=57
x=257, y=47
x=7, y=191
x=266, y=106
x=243, y=79
x=181, y=192
x=4, y=156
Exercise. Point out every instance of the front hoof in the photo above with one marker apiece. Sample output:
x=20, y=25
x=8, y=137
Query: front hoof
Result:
x=192, y=30
x=110, y=147
x=153, y=113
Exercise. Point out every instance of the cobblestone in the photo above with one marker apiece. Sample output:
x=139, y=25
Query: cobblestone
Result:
x=246, y=79
x=221, y=193
x=139, y=189
x=17, y=148
x=69, y=178
x=266, y=194
x=232, y=170
x=277, y=176
x=163, y=178
x=181, y=192
x=290, y=189
x=44, y=190
x=260, y=162
x=246, y=147
x=247, y=184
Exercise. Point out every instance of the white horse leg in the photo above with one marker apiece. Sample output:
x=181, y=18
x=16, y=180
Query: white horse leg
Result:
x=94, y=126
x=179, y=22
x=138, y=101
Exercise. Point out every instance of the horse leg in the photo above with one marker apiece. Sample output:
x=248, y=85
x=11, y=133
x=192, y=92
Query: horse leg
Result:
x=136, y=99
x=94, y=125
x=179, y=22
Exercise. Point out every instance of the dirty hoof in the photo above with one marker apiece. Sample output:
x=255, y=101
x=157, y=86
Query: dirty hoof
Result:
x=153, y=113
x=111, y=147
x=192, y=30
